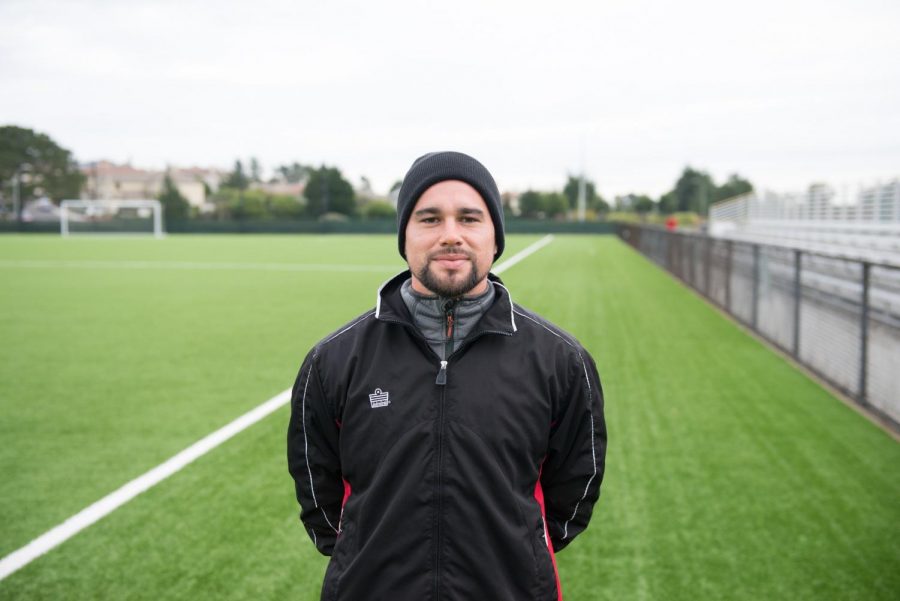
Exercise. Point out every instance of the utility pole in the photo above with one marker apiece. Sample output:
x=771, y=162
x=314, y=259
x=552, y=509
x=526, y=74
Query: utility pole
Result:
x=15, y=194
x=17, y=176
x=582, y=196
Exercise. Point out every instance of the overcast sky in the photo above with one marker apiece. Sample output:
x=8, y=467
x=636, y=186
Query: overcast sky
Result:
x=784, y=92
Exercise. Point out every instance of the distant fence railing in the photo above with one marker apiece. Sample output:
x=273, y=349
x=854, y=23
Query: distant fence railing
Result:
x=838, y=317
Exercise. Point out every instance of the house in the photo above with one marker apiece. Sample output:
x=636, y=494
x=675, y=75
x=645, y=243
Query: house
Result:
x=105, y=180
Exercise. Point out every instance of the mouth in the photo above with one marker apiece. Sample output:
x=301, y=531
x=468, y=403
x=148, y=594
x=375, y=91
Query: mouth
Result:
x=451, y=261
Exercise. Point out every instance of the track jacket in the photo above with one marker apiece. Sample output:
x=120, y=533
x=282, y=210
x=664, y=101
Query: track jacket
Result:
x=445, y=480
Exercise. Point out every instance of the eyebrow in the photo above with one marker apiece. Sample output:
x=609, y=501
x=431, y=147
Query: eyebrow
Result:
x=426, y=211
x=471, y=211
x=435, y=211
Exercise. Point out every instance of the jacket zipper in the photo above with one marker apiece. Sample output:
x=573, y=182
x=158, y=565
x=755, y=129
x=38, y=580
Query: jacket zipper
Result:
x=441, y=380
x=438, y=493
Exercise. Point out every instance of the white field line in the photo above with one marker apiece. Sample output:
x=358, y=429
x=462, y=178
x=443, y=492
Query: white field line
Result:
x=84, y=518
x=190, y=265
x=528, y=250
x=114, y=500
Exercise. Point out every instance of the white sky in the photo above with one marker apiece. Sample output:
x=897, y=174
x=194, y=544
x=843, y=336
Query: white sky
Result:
x=785, y=92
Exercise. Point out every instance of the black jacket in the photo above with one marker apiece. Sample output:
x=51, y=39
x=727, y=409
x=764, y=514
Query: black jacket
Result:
x=424, y=481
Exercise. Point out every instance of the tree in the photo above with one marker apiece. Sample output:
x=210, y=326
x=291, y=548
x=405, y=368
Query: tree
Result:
x=643, y=203
x=293, y=173
x=237, y=179
x=249, y=204
x=668, y=203
x=255, y=170
x=222, y=200
x=285, y=206
x=51, y=170
x=571, y=192
x=539, y=205
x=379, y=209
x=634, y=202
x=735, y=186
x=328, y=192
x=232, y=203
x=624, y=202
x=599, y=205
x=694, y=191
x=175, y=206
x=555, y=204
x=531, y=204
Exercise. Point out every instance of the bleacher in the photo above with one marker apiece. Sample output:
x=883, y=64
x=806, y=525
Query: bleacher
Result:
x=865, y=227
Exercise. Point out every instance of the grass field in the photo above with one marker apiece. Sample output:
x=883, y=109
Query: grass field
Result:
x=730, y=474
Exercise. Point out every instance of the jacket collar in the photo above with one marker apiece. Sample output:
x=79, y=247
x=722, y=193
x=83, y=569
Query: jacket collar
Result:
x=499, y=317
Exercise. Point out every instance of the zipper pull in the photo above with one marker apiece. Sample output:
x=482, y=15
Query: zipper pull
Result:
x=442, y=374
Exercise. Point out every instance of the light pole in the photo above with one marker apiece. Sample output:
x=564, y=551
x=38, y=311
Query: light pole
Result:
x=24, y=167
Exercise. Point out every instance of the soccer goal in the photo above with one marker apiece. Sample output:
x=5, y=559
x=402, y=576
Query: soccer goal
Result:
x=128, y=217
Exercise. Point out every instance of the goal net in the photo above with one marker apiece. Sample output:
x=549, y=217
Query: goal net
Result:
x=138, y=217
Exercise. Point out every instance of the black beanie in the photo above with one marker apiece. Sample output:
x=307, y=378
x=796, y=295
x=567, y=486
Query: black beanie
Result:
x=435, y=167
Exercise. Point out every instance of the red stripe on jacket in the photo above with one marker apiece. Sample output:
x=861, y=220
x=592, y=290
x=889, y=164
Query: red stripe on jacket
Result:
x=539, y=496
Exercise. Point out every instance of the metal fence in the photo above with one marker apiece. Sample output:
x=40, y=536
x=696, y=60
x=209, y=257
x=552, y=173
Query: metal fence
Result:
x=838, y=317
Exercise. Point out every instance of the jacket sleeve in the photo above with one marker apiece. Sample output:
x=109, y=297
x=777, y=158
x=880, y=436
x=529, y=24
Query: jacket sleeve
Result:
x=313, y=457
x=573, y=469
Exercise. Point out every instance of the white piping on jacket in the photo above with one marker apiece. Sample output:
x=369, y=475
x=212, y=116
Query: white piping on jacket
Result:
x=312, y=488
x=590, y=412
x=512, y=318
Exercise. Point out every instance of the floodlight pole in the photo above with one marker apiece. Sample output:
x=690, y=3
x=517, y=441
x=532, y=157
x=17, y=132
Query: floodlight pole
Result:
x=582, y=200
x=17, y=176
x=15, y=195
x=581, y=197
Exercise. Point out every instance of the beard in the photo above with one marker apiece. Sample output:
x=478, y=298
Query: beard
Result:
x=450, y=286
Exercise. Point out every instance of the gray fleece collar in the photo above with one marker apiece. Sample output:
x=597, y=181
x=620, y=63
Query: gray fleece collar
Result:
x=429, y=315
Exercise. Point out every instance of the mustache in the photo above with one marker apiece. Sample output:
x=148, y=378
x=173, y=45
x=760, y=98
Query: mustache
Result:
x=451, y=254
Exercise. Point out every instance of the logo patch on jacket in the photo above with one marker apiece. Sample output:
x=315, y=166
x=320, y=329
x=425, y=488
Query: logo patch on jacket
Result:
x=379, y=398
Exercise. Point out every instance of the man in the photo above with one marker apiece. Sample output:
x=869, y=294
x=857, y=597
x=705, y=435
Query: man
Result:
x=446, y=443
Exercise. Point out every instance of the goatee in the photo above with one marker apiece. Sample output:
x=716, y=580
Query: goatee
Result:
x=449, y=288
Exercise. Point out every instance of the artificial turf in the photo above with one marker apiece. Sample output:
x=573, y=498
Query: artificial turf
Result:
x=730, y=474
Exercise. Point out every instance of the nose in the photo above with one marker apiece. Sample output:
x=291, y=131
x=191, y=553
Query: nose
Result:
x=451, y=233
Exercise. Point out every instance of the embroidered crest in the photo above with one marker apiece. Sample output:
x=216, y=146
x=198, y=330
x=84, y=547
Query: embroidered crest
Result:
x=379, y=398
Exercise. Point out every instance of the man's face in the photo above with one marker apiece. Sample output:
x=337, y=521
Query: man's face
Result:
x=450, y=241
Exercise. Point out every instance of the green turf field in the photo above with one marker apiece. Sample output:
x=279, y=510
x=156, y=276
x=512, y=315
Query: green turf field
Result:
x=730, y=474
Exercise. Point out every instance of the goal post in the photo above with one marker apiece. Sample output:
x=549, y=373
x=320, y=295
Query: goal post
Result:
x=117, y=217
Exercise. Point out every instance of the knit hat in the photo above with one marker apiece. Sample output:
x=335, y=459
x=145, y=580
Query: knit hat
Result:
x=435, y=167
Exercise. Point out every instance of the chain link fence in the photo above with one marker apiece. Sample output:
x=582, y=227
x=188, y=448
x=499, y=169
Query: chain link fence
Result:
x=838, y=317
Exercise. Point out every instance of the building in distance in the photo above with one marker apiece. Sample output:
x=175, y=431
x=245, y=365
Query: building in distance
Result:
x=105, y=180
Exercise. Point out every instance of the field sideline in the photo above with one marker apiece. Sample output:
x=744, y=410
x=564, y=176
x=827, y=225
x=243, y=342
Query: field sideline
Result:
x=731, y=475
